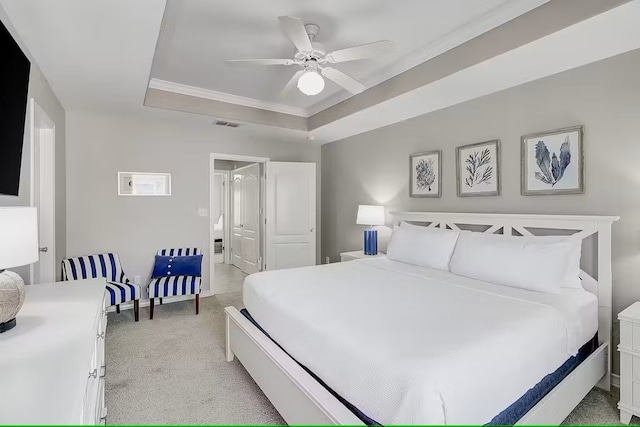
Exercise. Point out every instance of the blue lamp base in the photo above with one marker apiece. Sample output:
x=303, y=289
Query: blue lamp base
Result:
x=371, y=242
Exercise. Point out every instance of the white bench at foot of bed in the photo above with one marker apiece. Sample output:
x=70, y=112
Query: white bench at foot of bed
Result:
x=300, y=399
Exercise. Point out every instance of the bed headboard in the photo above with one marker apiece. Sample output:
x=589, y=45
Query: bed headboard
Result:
x=522, y=225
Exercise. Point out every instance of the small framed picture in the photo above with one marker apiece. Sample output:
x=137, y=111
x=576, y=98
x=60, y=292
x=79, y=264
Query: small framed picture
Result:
x=478, y=169
x=425, y=174
x=553, y=162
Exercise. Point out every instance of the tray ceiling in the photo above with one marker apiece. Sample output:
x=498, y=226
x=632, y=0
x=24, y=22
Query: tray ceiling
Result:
x=198, y=36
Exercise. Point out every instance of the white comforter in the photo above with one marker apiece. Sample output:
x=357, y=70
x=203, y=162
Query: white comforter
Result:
x=407, y=344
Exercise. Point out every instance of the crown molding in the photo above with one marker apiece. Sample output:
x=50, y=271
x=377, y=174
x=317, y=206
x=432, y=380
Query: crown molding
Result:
x=490, y=20
x=225, y=97
x=487, y=22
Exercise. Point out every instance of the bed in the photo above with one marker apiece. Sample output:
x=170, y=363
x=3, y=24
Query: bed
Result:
x=377, y=341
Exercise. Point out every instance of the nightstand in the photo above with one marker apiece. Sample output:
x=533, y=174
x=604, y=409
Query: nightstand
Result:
x=350, y=256
x=629, y=349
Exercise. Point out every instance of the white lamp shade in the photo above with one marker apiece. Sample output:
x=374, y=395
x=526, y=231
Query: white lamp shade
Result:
x=370, y=215
x=18, y=236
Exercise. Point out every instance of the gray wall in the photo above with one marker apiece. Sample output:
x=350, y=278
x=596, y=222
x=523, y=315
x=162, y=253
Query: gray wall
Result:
x=40, y=90
x=100, y=145
x=372, y=168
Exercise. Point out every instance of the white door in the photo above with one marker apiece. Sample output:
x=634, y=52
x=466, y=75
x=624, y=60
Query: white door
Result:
x=236, y=223
x=291, y=215
x=251, y=219
x=42, y=135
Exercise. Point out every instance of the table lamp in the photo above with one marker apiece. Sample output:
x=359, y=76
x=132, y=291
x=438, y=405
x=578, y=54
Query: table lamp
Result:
x=370, y=215
x=18, y=246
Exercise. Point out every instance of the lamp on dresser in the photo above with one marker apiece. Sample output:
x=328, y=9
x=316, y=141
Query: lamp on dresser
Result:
x=370, y=215
x=18, y=246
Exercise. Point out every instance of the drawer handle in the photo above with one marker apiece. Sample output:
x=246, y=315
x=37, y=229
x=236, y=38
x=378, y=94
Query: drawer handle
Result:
x=93, y=374
x=101, y=335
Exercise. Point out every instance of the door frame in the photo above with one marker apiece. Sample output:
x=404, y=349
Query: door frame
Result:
x=226, y=195
x=42, y=131
x=212, y=170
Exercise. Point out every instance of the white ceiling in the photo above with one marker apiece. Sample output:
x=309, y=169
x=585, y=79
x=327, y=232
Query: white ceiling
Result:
x=98, y=54
x=603, y=36
x=198, y=36
x=95, y=54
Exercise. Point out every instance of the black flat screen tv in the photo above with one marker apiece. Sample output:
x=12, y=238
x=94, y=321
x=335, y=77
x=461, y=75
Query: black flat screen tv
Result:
x=14, y=86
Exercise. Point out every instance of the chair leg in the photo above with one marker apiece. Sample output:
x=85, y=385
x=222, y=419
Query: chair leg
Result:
x=197, y=303
x=136, y=308
x=151, y=309
x=160, y=301
x=118, y=308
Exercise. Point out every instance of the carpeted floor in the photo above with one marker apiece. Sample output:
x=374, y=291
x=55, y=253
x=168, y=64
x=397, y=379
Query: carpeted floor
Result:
x=172, y=370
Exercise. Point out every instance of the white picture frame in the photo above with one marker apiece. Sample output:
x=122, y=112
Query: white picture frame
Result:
x=478, y=169
x=144, y=184
x=553, y=162
x=425, y=174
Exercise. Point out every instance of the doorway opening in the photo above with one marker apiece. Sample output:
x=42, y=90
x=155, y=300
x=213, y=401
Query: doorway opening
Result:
x=42, y=137
x=236, y=219
x=263, y=219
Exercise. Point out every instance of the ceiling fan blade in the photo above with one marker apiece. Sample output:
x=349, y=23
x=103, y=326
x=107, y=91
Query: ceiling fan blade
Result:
x=265, y=61
x=294, y=28
x=292, y=83
x=360, y=52
x=349, y=83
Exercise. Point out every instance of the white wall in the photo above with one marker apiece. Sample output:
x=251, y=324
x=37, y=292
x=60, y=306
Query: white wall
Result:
x=100, y=145
x=40, y=90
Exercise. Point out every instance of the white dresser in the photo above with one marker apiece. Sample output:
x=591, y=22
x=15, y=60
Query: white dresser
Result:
x=52, y=363
x=629, y=349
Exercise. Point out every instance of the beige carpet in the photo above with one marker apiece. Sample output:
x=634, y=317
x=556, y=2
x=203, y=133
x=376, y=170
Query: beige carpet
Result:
x=172, y=370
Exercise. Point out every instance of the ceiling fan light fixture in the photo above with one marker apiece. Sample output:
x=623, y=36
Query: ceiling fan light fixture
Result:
x=311, y=83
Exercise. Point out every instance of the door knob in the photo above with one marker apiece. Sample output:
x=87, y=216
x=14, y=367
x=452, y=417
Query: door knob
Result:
x=311, y=230
x=45, y=249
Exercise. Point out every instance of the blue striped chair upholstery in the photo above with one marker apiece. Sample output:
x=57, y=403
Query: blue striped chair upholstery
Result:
x=119, y=287
x=170, y=286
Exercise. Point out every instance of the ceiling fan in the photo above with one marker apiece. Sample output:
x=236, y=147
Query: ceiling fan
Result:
x=313, y=58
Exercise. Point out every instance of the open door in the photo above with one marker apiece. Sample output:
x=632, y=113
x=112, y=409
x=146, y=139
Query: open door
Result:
x=246, y=218
x=251, y=219
x=42, y=130
x=291, y=215
x=236, y=215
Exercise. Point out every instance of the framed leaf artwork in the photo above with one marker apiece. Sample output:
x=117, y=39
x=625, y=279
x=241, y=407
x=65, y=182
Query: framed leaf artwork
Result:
x=553, y=162
x=425, y=174
x=478, y=169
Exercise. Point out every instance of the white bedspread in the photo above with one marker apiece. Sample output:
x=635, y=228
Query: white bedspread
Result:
x=407, y=344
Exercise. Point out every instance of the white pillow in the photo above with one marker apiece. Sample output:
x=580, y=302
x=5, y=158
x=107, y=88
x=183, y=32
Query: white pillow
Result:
x=537, y=263
x=427, y=247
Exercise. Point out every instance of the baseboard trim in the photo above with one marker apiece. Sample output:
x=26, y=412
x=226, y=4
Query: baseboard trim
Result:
x=615, y=380
x=166, y=300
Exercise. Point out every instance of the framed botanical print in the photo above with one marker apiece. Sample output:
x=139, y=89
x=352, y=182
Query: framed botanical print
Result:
x=478, y=169
x=553, y=162
x=425, y=174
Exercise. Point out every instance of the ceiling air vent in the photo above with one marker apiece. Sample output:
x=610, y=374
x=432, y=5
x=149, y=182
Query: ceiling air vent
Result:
x=225, y=123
